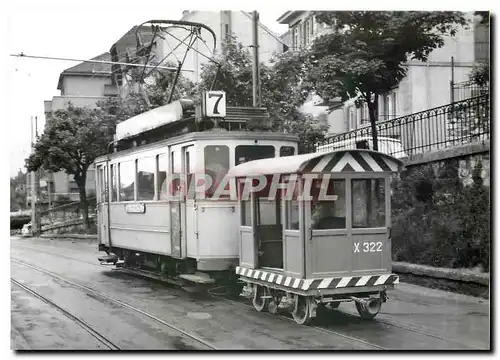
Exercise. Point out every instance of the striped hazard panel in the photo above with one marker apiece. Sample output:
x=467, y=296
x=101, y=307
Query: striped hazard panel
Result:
x=358, y=161
x=312, y=284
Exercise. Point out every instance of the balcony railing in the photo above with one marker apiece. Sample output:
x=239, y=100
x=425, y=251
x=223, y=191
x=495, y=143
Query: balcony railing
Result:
x=446, y=126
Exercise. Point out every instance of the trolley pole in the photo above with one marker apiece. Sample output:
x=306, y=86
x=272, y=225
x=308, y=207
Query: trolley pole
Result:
x=255, y=64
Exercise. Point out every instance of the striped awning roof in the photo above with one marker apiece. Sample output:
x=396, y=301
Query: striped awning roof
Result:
x=359, y=160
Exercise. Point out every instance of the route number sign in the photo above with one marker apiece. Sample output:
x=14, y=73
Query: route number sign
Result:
x=215, y=104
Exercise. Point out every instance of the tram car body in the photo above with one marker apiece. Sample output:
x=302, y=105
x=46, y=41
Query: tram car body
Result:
x=157, y=202
x=329, y=240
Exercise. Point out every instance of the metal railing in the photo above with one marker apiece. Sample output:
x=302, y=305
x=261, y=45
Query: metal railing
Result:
x=466, y=90
x=446, y=126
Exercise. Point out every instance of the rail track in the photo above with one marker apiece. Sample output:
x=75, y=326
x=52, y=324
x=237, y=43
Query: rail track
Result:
x=410, y=328
x=117, y=302
x=101, y=338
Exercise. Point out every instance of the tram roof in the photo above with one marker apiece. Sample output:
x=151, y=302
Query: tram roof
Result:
x=359, y=160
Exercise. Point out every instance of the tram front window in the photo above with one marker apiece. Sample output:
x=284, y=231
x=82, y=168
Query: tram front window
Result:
x=329, y=213
x=245, y=153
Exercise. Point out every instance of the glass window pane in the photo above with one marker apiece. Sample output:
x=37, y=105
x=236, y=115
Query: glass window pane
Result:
x=246, y=213
x=292, y=214
x=330, y=213
x=245, y=153
x=216, y=166
x=127, y=180
x=162, y=176
x=114, y=184
x=266, y=212
x=368, y=203
x=146, y=178
x=287, y=151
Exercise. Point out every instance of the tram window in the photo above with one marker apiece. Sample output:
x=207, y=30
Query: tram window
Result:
x=266, y=212
x=100, y=184
x=246, y=213
x=368, y=203
x=292, y=215
x=329, y=213
x=216, y=167
x=287, y=151
x=114, y=184
x=245, y=153
x=146, y=178
x=127, y=180
x=162, y=160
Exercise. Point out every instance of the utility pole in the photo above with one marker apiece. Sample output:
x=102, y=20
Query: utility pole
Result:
x=255, y=64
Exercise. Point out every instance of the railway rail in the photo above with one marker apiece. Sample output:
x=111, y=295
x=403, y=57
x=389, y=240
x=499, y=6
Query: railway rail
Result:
x=241, y=302
x=96, y=334
x=118, y=302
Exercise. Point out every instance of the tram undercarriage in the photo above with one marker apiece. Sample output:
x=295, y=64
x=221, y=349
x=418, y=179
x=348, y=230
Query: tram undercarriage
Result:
x=180, y=272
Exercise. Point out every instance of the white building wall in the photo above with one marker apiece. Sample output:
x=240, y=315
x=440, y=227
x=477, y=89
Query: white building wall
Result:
x=85, y=85
x=239, y=24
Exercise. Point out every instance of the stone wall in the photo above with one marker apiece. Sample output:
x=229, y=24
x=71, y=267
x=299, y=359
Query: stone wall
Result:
x=441, y=209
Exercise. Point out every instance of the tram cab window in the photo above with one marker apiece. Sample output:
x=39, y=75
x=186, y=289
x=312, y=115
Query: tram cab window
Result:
x=162, y=162
x=114, y=184
x=216, y=168
x=146, y=178
x=127, y=180
x=368, y=203
x=328, y=213
x=246, y=213
x=287, y=151
x=292, y=215
x=245, y=153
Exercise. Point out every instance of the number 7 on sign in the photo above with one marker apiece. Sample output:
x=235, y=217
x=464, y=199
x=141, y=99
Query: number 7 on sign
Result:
x=215, y=103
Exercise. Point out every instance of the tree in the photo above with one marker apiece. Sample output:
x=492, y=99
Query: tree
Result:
x=366, y=54
x=72, y=140
x=283, y=90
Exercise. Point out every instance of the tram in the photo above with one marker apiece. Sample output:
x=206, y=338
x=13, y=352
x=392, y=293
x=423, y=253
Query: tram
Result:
x=164, y=203
x=328, y=240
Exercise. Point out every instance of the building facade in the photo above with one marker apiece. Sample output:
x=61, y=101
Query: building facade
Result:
x=223, y=24
x=82, y=85
x=427, y=84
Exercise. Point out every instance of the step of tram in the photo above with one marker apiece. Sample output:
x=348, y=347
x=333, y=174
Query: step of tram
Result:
x=198, y=278
x=108, y=259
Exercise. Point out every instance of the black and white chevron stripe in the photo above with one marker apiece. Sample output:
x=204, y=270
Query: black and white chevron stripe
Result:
x=358, y=161
x=311, y=284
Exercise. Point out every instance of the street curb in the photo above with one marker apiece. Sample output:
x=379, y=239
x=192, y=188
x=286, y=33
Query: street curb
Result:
x=69, y=236
x=462, y=275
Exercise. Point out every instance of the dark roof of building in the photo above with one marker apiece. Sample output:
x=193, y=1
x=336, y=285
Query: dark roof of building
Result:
x=88, y=69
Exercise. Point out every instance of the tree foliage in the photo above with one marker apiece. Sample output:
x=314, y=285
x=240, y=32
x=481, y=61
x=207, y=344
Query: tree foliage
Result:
x=366, y=53
x=72, y=140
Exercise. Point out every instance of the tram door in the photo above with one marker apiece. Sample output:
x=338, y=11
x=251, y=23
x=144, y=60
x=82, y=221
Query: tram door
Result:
x=269, y=232
x=175, y=204
x=102, y=184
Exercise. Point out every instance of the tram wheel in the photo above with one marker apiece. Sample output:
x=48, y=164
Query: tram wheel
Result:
x=260, y=299
x=369, y=310
x=302, y=311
